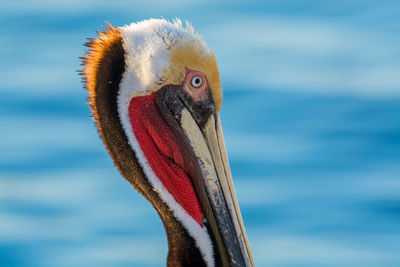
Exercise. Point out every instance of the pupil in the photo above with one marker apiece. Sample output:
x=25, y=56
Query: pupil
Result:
x=197, y=80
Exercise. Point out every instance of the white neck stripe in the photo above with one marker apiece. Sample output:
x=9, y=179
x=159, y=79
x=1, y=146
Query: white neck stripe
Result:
x=146, y=56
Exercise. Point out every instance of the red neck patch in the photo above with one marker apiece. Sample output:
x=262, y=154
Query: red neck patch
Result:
x=163, y=153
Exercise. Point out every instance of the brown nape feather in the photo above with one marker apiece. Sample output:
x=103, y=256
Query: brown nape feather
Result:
x=104, y=65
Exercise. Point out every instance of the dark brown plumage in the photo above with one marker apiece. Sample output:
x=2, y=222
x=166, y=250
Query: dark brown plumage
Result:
x=106, y=53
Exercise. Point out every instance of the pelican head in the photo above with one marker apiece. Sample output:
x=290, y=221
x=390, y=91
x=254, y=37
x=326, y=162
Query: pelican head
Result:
x=155, y=95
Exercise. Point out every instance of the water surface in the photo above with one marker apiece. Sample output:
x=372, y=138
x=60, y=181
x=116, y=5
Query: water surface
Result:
x=311, y=117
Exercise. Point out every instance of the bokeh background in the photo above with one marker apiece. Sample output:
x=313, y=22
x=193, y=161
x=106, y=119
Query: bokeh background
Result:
x=311, y=117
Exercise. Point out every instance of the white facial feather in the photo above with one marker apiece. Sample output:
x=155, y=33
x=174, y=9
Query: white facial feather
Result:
x=146, y=57
x=147, y=50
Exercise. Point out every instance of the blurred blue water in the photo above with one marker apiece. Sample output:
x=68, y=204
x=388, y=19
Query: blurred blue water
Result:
x=311, y=118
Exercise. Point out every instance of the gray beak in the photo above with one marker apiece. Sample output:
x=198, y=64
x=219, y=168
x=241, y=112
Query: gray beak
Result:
x=218, y=196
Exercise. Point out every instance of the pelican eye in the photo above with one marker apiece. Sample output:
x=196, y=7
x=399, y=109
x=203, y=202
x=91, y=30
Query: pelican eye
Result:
x=196, y=81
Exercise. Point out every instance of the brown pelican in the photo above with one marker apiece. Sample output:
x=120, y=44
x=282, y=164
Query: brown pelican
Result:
x=155, y=94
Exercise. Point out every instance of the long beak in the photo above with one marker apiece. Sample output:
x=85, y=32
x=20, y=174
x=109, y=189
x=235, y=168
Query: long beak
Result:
x=216, y=191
